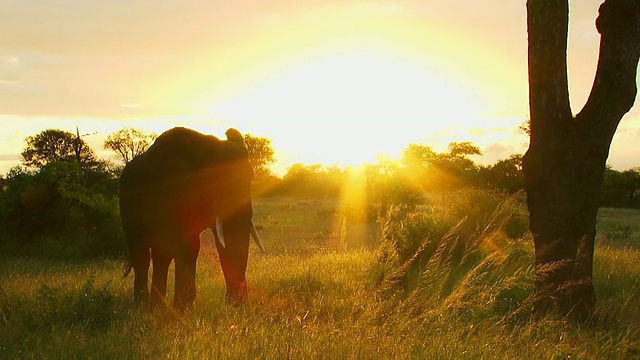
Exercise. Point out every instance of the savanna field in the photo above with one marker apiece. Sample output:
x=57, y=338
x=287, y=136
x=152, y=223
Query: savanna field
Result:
x=448, y=279
x=382, y=242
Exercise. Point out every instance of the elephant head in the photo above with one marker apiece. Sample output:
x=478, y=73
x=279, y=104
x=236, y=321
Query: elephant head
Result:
x=184, y=183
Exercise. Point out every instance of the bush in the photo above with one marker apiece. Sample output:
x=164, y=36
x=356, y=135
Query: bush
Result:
x=60, y=211
x=464, y=251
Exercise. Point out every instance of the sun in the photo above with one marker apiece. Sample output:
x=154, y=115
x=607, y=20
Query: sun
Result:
x=348, y=108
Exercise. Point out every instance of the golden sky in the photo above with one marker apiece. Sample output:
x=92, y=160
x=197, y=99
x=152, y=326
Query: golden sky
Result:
x=328, y=81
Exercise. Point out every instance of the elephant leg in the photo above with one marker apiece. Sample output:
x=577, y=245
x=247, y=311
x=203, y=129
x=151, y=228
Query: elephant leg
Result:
x=139, y=258
x=233, y=260
x=185, y=282
x=141, y=277
x=161, y=264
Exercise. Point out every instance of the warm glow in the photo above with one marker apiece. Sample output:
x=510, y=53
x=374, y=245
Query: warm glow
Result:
x=331, y=82
x=348, y=108
x=345, y=84
x=352, y=223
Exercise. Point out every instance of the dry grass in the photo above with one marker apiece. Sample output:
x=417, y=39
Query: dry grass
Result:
x=313, y=297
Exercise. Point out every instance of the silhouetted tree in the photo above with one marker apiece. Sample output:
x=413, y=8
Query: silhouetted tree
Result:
x=621, y=188
x=463, y=149
x=312, y=180
x=260, y=154
x=505, y=174
x=53, y=145
x=631, y=185
x=418, y=155
x=456, y=164
x=416, y=167
x=441, y=170
x=565, y=162
x=129, y=143
x=64, y=205
x=526, y=127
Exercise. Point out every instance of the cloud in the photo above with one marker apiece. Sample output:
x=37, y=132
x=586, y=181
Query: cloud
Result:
x=133, y=106
x=9, y=61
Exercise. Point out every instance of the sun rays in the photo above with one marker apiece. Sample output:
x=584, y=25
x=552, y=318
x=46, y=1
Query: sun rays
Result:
x=352, y=222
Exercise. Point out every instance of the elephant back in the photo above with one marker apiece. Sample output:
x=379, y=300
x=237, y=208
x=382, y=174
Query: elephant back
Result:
x=191, y=148
x=182, y=155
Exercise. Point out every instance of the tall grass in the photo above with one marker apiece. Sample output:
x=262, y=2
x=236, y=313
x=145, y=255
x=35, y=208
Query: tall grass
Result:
x=457, y=291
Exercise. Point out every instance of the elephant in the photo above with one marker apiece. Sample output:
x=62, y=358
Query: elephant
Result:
x=183, y=184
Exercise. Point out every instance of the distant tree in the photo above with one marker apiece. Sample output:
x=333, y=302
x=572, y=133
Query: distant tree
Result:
x=261, y=154
x=526, y=127
x=463, y=149
x=564, y=165
x=621, y=188
x=441, y=170
x=505, y=174
x=129, y=143
x=312, y=180
x=632, y=185
x=301, y=178
x=417, y=166
x=61, y=209
x=418, y=155
x=456, y=163
x=389, y=183
x=53, y=145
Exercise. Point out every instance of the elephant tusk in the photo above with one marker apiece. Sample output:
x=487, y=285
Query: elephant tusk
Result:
x=256, y=238
x=220, y=233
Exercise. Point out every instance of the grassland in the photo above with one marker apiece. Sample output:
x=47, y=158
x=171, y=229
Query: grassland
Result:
x=319, y=292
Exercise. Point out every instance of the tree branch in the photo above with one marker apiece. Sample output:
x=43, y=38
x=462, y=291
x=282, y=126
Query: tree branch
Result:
x=614, y=87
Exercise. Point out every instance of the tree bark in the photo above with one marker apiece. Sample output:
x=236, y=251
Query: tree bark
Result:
x=566, y=159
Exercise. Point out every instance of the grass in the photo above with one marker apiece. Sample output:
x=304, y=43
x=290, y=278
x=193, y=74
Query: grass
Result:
x=619, y=227
x=315, y=295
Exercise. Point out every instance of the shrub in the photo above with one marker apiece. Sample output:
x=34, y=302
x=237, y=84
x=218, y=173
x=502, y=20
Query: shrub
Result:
x=60, y=211
x=463, y=252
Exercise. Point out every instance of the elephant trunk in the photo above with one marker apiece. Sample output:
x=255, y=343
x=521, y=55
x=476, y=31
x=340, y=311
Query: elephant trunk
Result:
x=252, y=230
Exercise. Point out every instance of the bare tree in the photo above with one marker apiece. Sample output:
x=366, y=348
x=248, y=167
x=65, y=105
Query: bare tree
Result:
x=567, y=154
x=129, y=143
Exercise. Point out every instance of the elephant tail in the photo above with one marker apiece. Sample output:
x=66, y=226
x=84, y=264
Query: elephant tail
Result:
x=127, y=269
x=139, y=258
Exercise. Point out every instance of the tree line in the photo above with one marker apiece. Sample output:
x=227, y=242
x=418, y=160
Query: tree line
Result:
x=421, y=170
x=62, y=200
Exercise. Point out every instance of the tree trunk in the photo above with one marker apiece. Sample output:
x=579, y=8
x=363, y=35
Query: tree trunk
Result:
x=566, y=159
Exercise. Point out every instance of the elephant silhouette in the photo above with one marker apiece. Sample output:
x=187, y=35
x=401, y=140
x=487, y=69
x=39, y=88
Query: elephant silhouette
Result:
x=183, y=184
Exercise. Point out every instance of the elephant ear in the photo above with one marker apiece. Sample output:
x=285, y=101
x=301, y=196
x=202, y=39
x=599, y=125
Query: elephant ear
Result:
x=235, y=136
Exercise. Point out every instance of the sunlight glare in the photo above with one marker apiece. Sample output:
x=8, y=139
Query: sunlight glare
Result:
x=352, y=223
x=351, y=107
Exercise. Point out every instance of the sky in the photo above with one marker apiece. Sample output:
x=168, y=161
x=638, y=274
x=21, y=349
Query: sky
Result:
x=333, y=82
